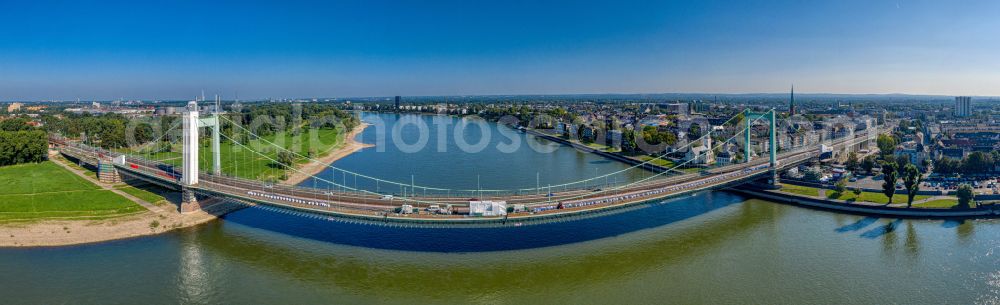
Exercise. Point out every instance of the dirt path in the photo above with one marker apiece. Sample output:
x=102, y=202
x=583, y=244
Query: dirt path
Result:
x=350, y=146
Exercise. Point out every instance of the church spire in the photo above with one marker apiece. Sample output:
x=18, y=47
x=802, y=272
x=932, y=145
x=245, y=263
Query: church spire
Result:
x=791, y=103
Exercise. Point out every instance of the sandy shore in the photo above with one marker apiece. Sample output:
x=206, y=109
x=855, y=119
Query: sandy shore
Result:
x=350, y=146
x=74, y=232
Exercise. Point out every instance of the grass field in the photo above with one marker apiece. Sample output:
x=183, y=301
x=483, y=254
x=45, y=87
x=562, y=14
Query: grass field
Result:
x=800, y=190
x=667, y=163
x=602, y=147
x=145, y=193
x=47, y=191
x=872, y=197
x=849, y=195
x=239, y=161
x=937, y=203
x=660, y=162
x=41, y=177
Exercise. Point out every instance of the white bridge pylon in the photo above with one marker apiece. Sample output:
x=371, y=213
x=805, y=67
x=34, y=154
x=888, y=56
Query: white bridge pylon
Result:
x=191, y=123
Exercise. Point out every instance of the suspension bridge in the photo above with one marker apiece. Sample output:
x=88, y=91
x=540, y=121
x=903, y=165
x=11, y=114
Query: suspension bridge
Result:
x=440, y=205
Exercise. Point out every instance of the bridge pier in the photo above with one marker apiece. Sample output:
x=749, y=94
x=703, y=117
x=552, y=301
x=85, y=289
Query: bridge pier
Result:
x=189, y=201
x=772, y=179
x=107, y=173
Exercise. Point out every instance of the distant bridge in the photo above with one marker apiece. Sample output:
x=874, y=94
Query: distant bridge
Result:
x=534, y=204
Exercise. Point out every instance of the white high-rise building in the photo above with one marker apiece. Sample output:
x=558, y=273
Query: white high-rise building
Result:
x=963, y=106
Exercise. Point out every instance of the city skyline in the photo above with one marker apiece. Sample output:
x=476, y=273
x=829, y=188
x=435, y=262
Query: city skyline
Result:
x=146, y=51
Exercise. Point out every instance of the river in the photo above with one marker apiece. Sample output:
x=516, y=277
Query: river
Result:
x=462, y=153
x=714, y=247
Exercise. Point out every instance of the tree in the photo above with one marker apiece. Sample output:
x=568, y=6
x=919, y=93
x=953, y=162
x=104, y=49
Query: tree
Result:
x=811, y=175
x=841, y=185
x=868, y=164
x=694, y=131
x=947, y=166
x=886, y=145
x=911, y=181
x=18, y=147
x=581, y=135
x=852, y=161
x=857, y=191
x=629, y=145
x=285, y=159
x=977, y=162
x=654, y=136
x=15, y=124
x=965, y=195
x=901, y=164
x=889, y=175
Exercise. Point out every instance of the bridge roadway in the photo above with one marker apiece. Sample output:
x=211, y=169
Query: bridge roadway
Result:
x=373, y=207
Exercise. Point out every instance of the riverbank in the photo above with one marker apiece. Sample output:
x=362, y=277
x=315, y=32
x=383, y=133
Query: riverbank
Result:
x=48, y=233
x=154, y=219
x=610, y=155
x=869, y=209
x=351, y=145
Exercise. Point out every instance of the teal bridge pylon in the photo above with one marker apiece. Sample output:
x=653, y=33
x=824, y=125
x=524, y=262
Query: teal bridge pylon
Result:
x=772, y=120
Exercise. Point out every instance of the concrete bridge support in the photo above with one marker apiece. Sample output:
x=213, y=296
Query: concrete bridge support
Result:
x=772, y=179
x=189, y=201
x=107, y=173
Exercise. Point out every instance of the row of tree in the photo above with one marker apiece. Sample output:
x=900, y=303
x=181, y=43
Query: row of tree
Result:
x=293, y=118
x=106, y=130
x=975, y=163
x=909, y=173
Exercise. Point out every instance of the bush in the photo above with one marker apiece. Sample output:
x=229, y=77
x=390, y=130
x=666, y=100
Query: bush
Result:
x=965, y=196
x=841, y=185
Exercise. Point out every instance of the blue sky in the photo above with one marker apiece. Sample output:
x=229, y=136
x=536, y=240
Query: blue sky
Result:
x=175, y=49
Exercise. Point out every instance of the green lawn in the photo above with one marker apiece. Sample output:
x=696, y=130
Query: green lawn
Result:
x=849, y=195
x=668, y=164
x=41, y=177
x=239, y=161
x=661, y=162
x=872, y=197
x=142, y=193
x=602, y=147
x=47, y=191
x=938, y=203
x=800, y=190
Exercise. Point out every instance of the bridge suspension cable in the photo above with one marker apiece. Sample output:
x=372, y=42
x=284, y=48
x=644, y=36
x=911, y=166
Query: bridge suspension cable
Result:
x=410, y=199
x=343, y=186
x=516, y=190
x=617, y=188
x=150, y=144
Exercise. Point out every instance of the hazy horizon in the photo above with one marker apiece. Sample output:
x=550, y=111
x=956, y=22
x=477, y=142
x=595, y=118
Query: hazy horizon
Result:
x=799, y=95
